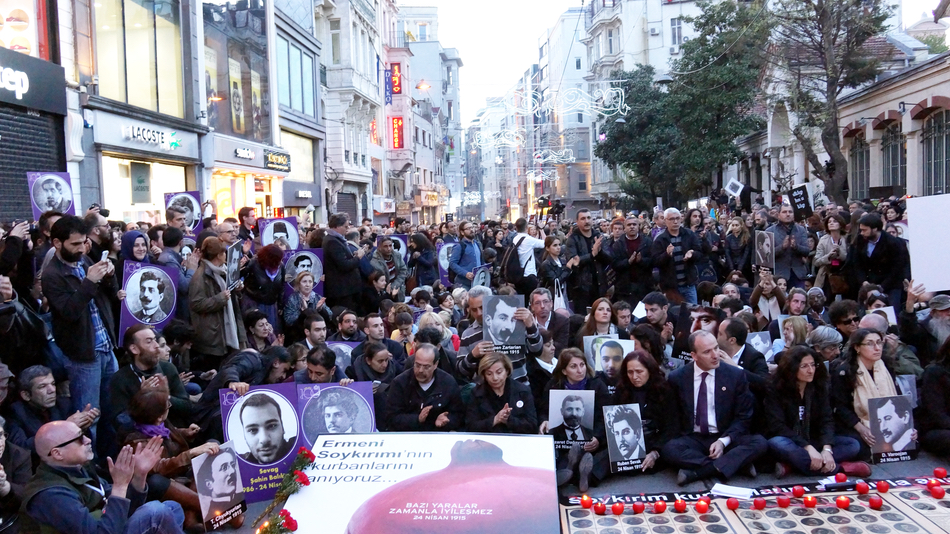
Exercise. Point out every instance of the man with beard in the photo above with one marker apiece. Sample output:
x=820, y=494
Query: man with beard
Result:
x=349, y=328
x=895, y=430
x=791, y=247
x=611, y=356
x=263, y=430
x=425, y=398
x=572, y=413
x=218, y=485
x=880, y=258
x=632, y=263
x=796, y=305
x=375, y=332
x=151, y=289
x=588, y=281
x=339, y=413
x=474, y=345
x=176, y=216
x=248, y=229
x=99, y=233
x=657, y=307
x=81, y=293
x=146, y=370
x=627, y=433
x=929, y=334
x=500, y=321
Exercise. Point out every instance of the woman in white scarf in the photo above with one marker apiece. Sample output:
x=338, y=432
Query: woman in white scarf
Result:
x=863, y=373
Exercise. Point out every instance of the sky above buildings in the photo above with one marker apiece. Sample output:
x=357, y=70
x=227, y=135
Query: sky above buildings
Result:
x=498, y=40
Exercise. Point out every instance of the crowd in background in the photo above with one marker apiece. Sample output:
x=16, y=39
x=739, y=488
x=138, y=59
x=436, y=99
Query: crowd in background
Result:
x=87, y=406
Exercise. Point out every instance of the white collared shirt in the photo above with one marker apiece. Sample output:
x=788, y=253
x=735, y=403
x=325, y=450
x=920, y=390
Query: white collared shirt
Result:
x=710, y=402
x=737, y=355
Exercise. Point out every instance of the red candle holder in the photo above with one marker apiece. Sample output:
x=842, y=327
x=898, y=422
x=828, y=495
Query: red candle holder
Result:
x=617, y=508
x=659, y=507
x=586, y=501
x=783, y=501
x=600, y=508
x=758, y=503
x=937, y=492
x=798, y=491
x=875, y=502
x=732, y=503
x=940, y=472
x=702, y=507
x=933, y=483
x=883, y=486
x=862, y=487
x=841, y=478
x=811, y=501
x=638, y=507
x=679, y=506
x=843, y=502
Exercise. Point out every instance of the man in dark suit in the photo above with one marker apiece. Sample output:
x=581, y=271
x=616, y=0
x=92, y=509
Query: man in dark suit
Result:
x=632, y=260
x=341, y=267
x=881, y=258
x=715, y=407
x=542, y=306
x=732, y=340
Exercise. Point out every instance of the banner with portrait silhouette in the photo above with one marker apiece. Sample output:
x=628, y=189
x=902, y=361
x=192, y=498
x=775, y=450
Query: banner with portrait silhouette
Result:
x=334, y=409
x=264, y=425
x=280, y=232
x=151, y=295
x=303, y=260
x=50, y=191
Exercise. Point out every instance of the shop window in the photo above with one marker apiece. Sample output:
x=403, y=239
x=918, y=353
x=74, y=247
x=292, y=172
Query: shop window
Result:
x=236, y=68
x=146, y=204
x=860, y=156
x=894, y=152
x=138, y=53
x=936, y=140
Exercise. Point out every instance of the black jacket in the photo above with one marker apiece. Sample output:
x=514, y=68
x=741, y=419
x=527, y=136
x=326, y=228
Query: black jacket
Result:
x=818, y=425
x=631, y=276
x=394, y=347
x=601, y=397
x=68, y=298
x=757, y=369
x=664, y=262
x=588, y=276
x=734, y=401
x=260, y=288
x=341, y=268
x=427, y=271
x=934, y=412
x=888, y=265
x=656, y=406
x=738, y=256
x=842, y=395
x=485, y=405
x=406, y=401
x=551, y=271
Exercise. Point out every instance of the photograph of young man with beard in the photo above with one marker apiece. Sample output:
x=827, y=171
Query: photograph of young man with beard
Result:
x=501, y=326
x=264, y=433
x=219, y=482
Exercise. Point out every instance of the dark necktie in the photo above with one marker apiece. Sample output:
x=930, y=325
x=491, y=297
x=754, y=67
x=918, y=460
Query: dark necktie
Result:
x=573, y=435
x=702, y=407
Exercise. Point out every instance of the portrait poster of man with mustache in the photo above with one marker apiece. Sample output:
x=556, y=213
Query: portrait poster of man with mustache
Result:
x=570, y=418
x=500, y=325
x=625, y=443
x=218, y=481
x=892, y=425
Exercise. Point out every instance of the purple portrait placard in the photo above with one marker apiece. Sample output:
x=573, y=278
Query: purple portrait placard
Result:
x=190, y=201
x=264, y=426
x=334, y=409
x=275, y=230
x=151, y=295
x=50, y=191
x=310, y=259
x=445, y=256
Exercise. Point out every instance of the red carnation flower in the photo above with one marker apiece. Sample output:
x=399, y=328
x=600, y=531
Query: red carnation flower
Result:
x=290, y=524
x=310, y=455
x=303, y=479
x=284, y=513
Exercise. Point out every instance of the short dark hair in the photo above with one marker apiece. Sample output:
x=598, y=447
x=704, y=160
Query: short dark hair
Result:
x=252, y=317
x=153, y=232
x=429, y=334
x=521, y=225
x=871, y=220
x=321, y=354
x=732, y=304
x=337, y=399
x=841, y=309
x=736, y=328
x=178, y=332
x=310, y=317
x=45, y=217
x=259, y=400
x=171, y=211
x=28, y=375
x=68, y=225
x=150, y=276
x=244, y=212
x=578, y=214
x=337, y=220
x=204, y=472
x=372, y=349
x=655, y=298
x=128, y=339
x=422, y=295
x=171, y=236
x=403, y=318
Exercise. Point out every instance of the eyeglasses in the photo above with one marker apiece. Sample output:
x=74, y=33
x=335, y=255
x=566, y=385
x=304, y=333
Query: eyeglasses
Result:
x=873, y=344
x=78, y=438
x=850, y=320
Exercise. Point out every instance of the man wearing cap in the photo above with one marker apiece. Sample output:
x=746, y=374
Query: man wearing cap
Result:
x=930, y=333
x=816, y=305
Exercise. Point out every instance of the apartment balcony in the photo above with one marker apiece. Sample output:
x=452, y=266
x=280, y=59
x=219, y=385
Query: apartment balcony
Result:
x=600, y=11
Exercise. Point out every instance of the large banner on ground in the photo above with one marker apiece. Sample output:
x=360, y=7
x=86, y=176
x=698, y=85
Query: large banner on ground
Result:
x=402, y=483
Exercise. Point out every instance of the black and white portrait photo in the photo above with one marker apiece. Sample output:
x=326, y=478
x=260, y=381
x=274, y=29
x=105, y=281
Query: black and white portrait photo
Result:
x=624, y=434
x=187, y=248
x=336, y=410
x=609, y=356
x=734, y=187
x=762, y=342
x=150, y=295
x=482, y=276
x=187, y=203
x=892, y=424
x=50, y=191
x=765, y=250
x=235, y=252
x=343, y=350
x=263, y=427
x=571, y=415
x=498, y=320
x=280, y=232
x=301, y=261
x=218, y=482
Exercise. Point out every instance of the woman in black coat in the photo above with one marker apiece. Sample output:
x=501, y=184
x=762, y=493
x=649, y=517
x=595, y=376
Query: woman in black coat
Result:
x=801, y=423
x=553, y=268
x=500, y=404
x=264, y=284
x=423, y=258
x=934, y=419
x=643, y=383
x=738, y=248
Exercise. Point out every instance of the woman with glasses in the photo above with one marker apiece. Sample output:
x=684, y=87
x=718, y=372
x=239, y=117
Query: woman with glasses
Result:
x=801, y=423
x=17, y=471
x=500, y=404
x=862, y=373
x=827, y=343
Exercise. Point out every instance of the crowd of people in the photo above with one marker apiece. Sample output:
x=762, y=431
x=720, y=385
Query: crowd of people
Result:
x=92, y=414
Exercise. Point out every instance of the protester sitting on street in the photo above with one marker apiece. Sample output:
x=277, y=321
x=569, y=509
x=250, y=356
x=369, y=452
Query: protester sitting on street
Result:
x=599, y=323
x=321, y=367
x=590, y=459
x=16, y=468
x=500, y=404
x=66, y=493
x=801, y=422
x=794, y=333
x=643, y=383
x=862, y=373
x=927, y=334
x=425, y=398
x=260, y=332
x=934, y=413
x=827, y=343
x=905, y=361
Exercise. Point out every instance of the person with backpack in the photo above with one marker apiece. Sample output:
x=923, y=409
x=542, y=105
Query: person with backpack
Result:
x=466, y=256
x=519, y=266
